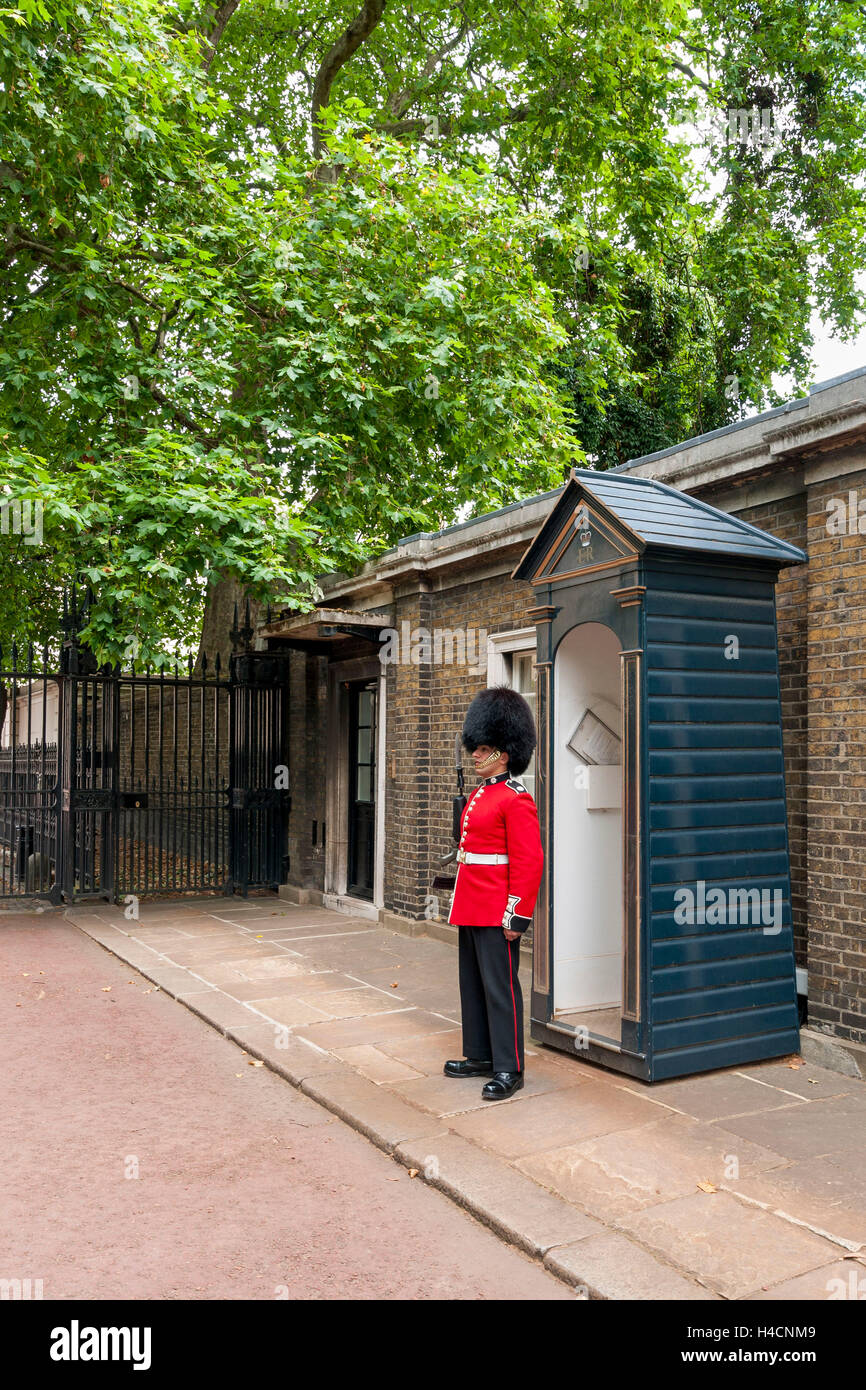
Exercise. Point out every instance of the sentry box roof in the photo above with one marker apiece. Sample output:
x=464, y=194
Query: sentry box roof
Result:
x=636, y=514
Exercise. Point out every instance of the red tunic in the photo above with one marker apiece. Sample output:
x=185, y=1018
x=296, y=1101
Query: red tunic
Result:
x=500, y=818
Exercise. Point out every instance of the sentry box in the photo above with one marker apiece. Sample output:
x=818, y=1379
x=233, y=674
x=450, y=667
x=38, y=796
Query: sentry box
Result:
x=662, y=942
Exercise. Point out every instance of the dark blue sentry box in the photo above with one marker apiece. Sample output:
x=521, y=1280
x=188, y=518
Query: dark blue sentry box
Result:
x=662, y=941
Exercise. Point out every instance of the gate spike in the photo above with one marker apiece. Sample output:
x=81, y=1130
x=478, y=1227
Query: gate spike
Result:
x=14, y=655
x=204, y=665
x=218, y=666
x=189, y=667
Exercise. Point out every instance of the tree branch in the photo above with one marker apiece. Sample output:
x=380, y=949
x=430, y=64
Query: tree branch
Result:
x=400, y=101
x=221, y=19
x=351, y=39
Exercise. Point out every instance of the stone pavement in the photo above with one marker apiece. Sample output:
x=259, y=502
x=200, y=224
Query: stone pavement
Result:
x=739, y=1184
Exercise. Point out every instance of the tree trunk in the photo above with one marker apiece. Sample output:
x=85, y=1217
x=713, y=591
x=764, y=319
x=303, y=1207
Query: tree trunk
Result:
x=219, y=618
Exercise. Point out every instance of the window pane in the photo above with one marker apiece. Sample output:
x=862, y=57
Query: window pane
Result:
x=364, y=784
x=522, y=673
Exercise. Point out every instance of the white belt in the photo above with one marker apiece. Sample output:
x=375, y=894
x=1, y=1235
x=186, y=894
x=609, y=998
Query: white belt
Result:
x=467, y=857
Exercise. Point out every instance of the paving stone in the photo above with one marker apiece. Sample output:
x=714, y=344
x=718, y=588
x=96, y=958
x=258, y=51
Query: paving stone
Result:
x=375, y=1065
x=733, y=1248
x=174, y=980
x=228, y=953
x=628, y=1170
x=817, y=1192
x=552, y=1121
x=842, y=1280
x=102, y=932
x=283, y=1051
x=287, y=1010
x=152, y=936
x=135, y=953
x=718, y=1095
x=216, y=1008
x=806, y=1131
x=210, y=949
x=226, y=973
x=384, y=1118
x=270, y=934
x=264, y=967
x=357, y=1003
x=610, y=1266
x=808, y=1080
x=282, y=987
x=492, y=1190
x=415, y=976
x=198, y=931
x=426, y=1054
x=375, y=1028
x=445, y=1095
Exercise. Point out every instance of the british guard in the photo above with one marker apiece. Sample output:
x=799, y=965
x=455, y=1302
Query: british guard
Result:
x=500, y=860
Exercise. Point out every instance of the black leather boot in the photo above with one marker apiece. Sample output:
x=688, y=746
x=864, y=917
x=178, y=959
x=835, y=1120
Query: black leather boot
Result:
x=470, y=1067
x=503, y=1085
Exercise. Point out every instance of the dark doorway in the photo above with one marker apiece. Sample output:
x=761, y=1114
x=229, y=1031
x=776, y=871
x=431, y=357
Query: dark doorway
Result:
x=362, y=788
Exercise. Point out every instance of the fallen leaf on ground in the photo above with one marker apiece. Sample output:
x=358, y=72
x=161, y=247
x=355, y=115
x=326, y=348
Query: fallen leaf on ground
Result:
x=106, y=989
x=707, y=1186
x=413, y=1172
x=251, y=1063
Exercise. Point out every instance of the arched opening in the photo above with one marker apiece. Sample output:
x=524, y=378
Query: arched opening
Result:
x=587, y=831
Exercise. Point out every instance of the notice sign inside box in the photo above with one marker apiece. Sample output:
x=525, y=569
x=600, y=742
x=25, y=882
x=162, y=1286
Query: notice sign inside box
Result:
x=595, y=743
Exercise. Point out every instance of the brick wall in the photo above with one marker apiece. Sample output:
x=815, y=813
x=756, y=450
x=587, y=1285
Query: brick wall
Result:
x=837, y=765
x=786, y=518
x=822, y=629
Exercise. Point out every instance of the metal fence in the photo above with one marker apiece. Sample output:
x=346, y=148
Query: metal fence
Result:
x=115, y=782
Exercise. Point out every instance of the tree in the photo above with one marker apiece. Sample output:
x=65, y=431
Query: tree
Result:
x=257, y=369
x=285, y=282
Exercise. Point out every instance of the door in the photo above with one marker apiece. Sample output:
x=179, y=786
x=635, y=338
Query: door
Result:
x=362, y=788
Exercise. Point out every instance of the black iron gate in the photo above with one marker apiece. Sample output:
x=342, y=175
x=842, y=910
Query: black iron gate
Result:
x=115, y=782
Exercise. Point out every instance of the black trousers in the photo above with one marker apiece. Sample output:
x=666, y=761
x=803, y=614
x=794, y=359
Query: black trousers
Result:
x=491, y=1001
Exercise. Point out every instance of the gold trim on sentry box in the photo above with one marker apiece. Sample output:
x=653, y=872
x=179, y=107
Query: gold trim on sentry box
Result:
x=630, y=595
x=541, y=935
x=563, y=539
x=631, y=835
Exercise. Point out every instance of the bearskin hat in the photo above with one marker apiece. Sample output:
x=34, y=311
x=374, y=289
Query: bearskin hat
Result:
x=500, y=718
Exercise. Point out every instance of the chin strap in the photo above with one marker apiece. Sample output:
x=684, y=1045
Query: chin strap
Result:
x=491, y=758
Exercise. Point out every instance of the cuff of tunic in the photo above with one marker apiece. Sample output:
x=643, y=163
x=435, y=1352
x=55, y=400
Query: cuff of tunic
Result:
x=519, y=923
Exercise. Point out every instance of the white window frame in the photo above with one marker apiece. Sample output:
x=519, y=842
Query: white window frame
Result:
x=502, y=644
